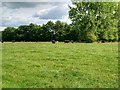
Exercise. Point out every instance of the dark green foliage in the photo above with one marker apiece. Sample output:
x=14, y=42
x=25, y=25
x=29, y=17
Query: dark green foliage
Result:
x=9, y=34
x=0, y=36
x=32, y=32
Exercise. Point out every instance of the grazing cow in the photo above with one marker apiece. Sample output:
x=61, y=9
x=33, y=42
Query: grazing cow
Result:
x=66, y=41
x=71, y=41
x=13, y=41
x=103, y=40
x=53, y=41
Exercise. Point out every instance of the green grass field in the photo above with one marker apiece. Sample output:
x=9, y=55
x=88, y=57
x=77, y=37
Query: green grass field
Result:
x=46, y=65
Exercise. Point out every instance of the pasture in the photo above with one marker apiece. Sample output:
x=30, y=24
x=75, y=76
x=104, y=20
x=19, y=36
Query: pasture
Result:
x=59, y=65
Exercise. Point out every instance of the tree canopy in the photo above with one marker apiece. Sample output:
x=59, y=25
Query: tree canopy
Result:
x=95, y=21
x=33, y=32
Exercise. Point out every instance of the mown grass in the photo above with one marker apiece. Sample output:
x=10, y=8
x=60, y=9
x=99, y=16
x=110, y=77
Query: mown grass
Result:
x=46, y=65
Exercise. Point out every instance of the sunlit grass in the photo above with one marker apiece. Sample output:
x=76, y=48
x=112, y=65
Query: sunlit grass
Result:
x=44, y=65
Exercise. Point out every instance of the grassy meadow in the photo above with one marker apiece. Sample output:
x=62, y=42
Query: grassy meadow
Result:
x=60, y=65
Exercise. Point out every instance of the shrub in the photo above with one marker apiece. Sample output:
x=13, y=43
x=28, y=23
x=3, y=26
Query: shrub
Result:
x=91, y=37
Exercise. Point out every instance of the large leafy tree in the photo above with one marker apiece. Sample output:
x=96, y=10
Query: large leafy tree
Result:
x=94, y=21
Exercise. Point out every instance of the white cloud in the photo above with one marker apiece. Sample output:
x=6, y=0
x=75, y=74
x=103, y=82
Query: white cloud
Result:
x=2, y=28
x=42, y=12
x=54, y=12
x=26, y=15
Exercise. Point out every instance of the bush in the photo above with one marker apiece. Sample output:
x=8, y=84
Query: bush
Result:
x=91, y=37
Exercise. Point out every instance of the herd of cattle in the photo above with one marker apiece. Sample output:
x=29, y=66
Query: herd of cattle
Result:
x=65, y=41
x=53, y=41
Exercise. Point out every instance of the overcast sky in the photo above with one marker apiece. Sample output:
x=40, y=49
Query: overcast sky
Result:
x=23, y=13
x=20, y=12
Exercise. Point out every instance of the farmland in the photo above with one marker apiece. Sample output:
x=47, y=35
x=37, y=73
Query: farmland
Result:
x=60, y=65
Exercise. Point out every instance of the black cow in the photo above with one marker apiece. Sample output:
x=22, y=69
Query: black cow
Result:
x=66, y=41
x=71, y=41
x=13, y=41
x=2, y=41
x=103, y=40
x=53, y=41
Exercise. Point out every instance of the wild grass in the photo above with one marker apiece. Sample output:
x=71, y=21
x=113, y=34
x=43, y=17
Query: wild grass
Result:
x=60, y=65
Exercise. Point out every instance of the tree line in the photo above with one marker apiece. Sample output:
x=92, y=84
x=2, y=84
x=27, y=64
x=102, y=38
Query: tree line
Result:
x=32, y=32
x=91, y=22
